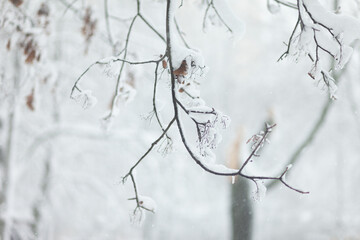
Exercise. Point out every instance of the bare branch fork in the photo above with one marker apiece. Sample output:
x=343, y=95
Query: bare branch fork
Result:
x=131, y=174
x=124, y=61
x=315, y=27
x=260, y=142
x=287, y=4
x=210, y=4
x=167, y=62
x=179, y=126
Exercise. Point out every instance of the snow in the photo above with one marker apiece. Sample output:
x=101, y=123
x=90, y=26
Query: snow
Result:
x=273, y=6
x=84, y=163
x=147, y=202
x=347, y=25
x=324, y=31
x=85, y=98
x=237, y=26
x=220, y=168
x=260, y=192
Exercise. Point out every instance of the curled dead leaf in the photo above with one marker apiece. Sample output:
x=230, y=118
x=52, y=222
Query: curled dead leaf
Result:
x=182, y=70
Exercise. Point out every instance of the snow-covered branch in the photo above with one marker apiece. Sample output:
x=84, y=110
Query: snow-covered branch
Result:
x=319, y=32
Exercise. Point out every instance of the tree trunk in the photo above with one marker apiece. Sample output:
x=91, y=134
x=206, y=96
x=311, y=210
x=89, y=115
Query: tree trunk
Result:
x=241, y=210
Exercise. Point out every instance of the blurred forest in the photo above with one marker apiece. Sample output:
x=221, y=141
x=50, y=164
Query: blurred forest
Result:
x=78, y=110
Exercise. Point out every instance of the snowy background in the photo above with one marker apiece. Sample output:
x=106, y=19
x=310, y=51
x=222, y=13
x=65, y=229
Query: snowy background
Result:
x=62, y=165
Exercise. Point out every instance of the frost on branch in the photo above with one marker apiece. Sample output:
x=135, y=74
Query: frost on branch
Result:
x=22, y=32
x=208, y=121
x=218, y=12
x=319, y=32
x=126, y=92
x=209, y=130
x=260, y=190
x=258, y=140
x=147, y=203
x=273, y=6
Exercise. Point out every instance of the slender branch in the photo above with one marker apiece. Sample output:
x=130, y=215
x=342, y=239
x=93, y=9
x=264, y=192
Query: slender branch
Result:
x=117, y=87
x=151, y=147
x=287, y=4
x=169, y=19
x=151, y=27
x=107, y=62
x=290, y=40
x=181, y=34
x=69, y=6
x=212, y=5
x=107, y=22
x=314, y=130
x=268, y=129
x=131, y=174
x=154, y=96
x=309, y=139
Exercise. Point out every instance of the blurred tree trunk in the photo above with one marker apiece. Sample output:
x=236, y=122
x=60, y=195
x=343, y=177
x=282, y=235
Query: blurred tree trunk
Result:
x=241, y=206
x=6, y=154
x=241, y=210
x=2, y=182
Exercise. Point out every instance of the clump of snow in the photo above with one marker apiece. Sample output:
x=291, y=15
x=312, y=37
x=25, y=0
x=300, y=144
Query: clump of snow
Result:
x=289, y=166
x=148, y=203
x=323, y=32
x=220, y=168
x=273, y=6
x=210, y=136
x=126, y=92
x=107, y=122
x=260, y=191
x=228, y=18
x=137, y=216
x=85, y=98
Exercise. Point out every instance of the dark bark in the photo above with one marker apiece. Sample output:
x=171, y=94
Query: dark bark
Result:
x=241, y=210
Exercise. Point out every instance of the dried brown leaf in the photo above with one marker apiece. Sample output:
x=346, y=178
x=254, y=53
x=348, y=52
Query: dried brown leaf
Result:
x=17, y=3
x=8, y=44
x=30, y=58
x=28, y=47
x=182, y=70
x=164, y=64
x=30, y=101
x=43, y=10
